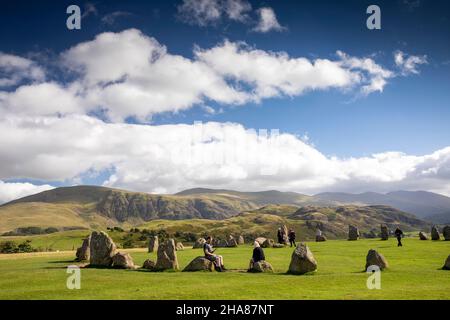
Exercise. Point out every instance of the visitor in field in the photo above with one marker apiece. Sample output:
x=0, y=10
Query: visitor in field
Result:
x=258, y=254
x=209, y=254
x=399, y=234
x=318, y=232
x=291, y=236
x=280, y=236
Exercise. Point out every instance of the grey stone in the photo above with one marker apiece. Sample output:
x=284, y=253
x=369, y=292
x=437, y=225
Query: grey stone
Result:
x=153, y=244
x=377, y=259
x=423, y=236
x=241, y=240
x=353, y=233
x=321, y=238
x=102, y=249
x=261, y=266
x=447, y=264
x=123, y=261
x=199, y=243
x=446, y=233
x=260, y=240
x=268, y=243
x=149, y=265
x=83, y=253
x=435, y=233
x=200, y=264
x=167, y=256
x=179, y=246
x=302, y=260
x=384, y=232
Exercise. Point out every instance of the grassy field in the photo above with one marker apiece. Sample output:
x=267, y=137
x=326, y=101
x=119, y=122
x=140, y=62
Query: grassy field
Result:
x=414, y=274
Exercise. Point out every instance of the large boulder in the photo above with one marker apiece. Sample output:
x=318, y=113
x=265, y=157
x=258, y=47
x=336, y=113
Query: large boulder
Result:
x=200, y=264
x=377, y=259
x=149, y=265
x=423, y=236
x=232, y=243
x=241, y=240
x=302, y=260
x=260, y=240
x=220, y=243
x=384, y=232
x=353, y=233
x=199, y=243
x=179, y=246
x=435, y=233
x=268, y=243
x=446, y=233
x=447, y=264
x=123, y=261
x=167, y=256
x=83, y=252
x=284, y=231
x=261, y=266
x=102, y=249
x=278, y=245
x=153, y=244
x=321, y=238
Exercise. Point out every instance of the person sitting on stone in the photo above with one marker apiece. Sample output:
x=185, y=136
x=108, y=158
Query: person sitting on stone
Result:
x=399, y=234
x=209, y=254
x=258, y=254
x=291, y=236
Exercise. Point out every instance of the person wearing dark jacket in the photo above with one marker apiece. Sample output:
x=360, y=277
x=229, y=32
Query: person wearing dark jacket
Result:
x=291, y=236
x=399, y=234
x=280, y=236
x=258, y=254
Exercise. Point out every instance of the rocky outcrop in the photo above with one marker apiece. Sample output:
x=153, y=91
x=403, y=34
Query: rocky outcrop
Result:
x=374, y=258
x=200, y=264
x=167, y=256
x=153, y=244
x=435, y=233
x=446, y=233
x=123, y=261
x=302, y=260
x=83, y=253
x=261, y=266
x=102, y=249
x=199, y=243
x=423, y=236
x=384, y=232
x=353, y=233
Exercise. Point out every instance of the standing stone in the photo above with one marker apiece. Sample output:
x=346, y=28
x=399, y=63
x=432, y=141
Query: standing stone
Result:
x=179, y=246
x=200, y=264
x=268, y=243
x=260, y=240
x=167, y=256
x=199, y=243
x=221, y=243
x=321, y=238
x=447, y=264
x=284, y=231
x=123, y=261
x=241, y=240
x=261, y=266
x=422, y=236
x=153, y=244
x=232, y=243
x=302, y=260
x=102, y=249
x=384, y=232
x=83, y=253
x=377, y=259
x=435, y=233
x=446, y=233
x=353, y=233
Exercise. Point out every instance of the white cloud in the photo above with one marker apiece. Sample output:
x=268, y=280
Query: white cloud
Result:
x=267, y=21
x=14, y=69
x=111, y=18
x=14, y=190
x=408, y=64
x=200, y=12
x=221, y=155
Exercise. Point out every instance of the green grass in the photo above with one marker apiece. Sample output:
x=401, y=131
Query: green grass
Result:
x=414, y=274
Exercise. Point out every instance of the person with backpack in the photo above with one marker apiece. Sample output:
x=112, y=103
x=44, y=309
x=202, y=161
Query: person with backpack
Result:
x=291, y=236
x=399, y=234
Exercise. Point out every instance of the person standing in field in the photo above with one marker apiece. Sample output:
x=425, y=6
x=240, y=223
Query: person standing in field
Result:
x=280, y=236
x=399, y=234
x=209, y=254
x=291, y=236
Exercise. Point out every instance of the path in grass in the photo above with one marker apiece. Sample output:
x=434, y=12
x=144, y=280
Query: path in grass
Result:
x=414, y=274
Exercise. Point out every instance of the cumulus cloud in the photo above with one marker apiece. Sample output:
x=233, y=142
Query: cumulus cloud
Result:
x=267, y=21
x=168, y=158
x=15, y=69
x=408, y=64
x=14, y=190
x=129, y=74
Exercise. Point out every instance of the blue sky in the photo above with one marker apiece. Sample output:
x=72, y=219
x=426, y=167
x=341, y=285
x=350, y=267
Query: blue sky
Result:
x=409, y=115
